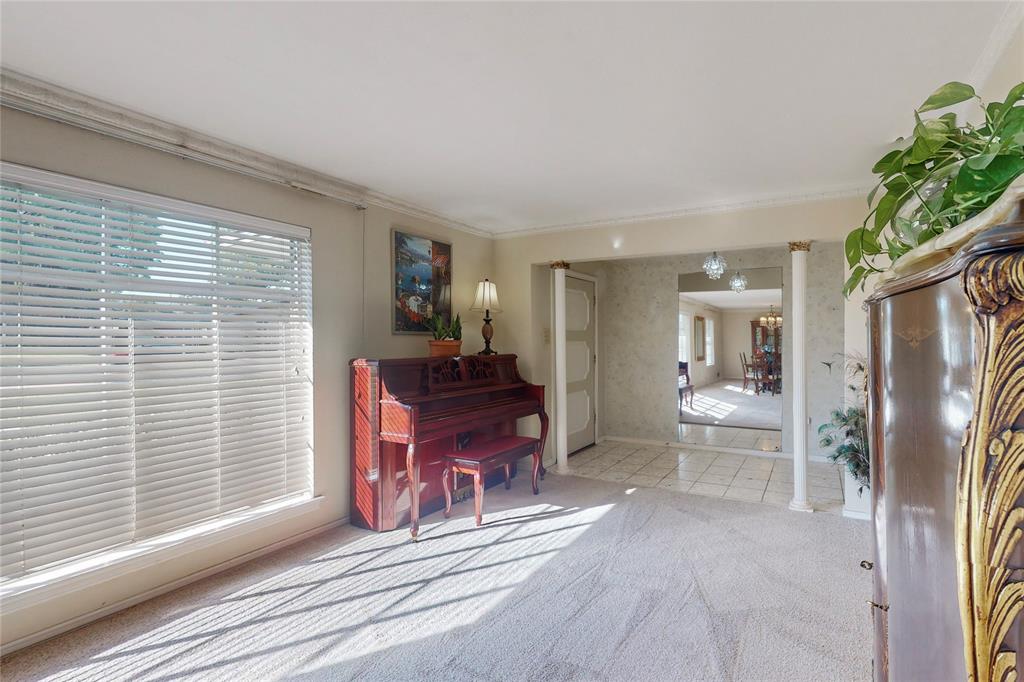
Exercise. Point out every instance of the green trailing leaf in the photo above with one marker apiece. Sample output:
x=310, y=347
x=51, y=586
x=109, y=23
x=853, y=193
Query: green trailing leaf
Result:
x=856, y=278
x=975, y=183
x=1015, y=95
x=869, y=245
x=853, y=247
x=1011, y=125
x=887, y=207
x=887, y=163
x=871, y=194
x=944, y=174
x=946, y=96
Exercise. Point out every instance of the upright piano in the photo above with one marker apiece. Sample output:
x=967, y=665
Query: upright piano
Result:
x=408, y=413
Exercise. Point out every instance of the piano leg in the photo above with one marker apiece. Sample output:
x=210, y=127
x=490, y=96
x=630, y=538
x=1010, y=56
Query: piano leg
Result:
x=447, y=493
x=543, y=441
x=412, y=471
x=508, y=476
x=536, y=470
x=478, y=497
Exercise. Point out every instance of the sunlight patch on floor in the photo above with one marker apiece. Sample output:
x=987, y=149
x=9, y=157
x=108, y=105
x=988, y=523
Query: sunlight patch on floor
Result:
x=739, y=389
x=371, y=593
x=708, y=407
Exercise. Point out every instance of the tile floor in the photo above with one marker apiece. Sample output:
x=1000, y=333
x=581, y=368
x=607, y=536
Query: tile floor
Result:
x=750, y=478
x=731, y=437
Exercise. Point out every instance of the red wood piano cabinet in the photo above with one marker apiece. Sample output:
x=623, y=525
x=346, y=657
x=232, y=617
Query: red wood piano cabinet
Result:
x=408, y=413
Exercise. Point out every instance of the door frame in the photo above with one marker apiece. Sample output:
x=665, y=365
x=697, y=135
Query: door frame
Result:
x=561, y=341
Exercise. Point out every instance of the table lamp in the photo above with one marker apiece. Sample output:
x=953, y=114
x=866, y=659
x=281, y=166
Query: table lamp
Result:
x=487, y=303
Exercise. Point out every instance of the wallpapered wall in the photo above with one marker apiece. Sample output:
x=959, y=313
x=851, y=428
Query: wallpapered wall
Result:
x=638, y=338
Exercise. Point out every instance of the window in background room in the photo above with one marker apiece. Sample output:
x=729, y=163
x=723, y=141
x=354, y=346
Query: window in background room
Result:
x=709, y=342
x=684, y=337
x=156, y=367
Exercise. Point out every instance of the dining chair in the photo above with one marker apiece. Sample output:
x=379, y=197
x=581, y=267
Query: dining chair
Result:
x=685, y=387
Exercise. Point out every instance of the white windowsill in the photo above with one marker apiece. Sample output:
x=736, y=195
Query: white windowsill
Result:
x=109, y=565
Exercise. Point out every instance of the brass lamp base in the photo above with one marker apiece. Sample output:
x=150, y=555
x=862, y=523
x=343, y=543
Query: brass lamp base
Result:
x=487, y=331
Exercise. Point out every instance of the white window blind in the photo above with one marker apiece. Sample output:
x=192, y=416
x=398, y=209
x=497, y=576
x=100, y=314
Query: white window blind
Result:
x=156, y=369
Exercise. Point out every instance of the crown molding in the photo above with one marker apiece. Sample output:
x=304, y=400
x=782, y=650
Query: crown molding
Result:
x=34, y=96
x=740, y=204
x=997, y=43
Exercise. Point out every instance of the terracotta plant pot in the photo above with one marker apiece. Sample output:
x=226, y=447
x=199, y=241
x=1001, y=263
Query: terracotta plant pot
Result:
x=444, y=349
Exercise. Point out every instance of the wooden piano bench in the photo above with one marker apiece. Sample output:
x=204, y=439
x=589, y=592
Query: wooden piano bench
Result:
x=481, y=458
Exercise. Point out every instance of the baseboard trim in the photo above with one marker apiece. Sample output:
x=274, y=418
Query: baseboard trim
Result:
x=853, y=514
x=86, y=618
x=711, y=448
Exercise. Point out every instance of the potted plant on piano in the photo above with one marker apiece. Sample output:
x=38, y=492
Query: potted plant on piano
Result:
x=447, y=339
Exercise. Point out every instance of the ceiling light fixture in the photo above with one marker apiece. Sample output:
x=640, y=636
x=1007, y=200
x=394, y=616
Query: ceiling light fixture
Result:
x=738, y=283
x=772, y=320
x=714, y=265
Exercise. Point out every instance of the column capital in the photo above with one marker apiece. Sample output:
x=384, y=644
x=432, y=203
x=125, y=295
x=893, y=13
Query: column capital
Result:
x=800, y=246
x=560, y=265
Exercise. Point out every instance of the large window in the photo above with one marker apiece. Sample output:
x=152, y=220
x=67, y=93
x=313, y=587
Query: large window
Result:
x=684, y=337
x=156, y=367
x=709, y=342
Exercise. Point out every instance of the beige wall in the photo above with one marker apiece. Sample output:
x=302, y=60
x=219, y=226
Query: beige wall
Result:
x=736, y=339
x=1008, y=70
x=339, y=278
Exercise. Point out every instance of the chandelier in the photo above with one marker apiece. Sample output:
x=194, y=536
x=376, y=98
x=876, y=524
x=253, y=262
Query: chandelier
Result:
x=714, y=265
x=738, y=283
x=772, y=320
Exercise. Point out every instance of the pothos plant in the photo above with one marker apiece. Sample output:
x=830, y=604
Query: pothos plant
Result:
x=846, y=431
x=944, y=174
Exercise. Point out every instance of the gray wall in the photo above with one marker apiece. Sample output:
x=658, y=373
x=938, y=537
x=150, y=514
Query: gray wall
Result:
x=638, y=314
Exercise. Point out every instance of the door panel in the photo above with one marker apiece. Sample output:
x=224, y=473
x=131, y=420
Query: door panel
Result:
x=580, y=356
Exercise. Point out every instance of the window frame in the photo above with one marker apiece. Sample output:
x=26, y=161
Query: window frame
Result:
x=115, y=561
x=709, y=342
x=685, y=334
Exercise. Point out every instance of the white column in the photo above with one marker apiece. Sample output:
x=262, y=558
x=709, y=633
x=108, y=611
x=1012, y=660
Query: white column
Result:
x=561, y=419
x=797, y=316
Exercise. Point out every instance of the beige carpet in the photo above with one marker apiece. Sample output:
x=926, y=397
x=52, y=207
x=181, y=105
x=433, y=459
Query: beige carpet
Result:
x=725, y=403
x=592, y=580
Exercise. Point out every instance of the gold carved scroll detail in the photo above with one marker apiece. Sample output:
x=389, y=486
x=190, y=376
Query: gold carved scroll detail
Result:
x=989, y=515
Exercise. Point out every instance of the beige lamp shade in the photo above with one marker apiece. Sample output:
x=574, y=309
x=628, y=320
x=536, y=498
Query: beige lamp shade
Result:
x=486, y=297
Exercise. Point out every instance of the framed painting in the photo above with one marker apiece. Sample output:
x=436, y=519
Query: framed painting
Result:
x=421, y=276
x=699, y=340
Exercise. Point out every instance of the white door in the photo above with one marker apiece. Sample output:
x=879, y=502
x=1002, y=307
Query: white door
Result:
x=580, y=362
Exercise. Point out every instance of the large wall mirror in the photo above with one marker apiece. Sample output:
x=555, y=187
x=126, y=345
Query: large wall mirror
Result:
x=699, y=338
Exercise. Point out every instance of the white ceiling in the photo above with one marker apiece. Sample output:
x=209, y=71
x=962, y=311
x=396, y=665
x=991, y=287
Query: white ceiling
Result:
x=730, y=300
x=512, y=116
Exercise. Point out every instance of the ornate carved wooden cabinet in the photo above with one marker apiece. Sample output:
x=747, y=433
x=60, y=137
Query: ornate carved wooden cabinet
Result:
x=946, y=398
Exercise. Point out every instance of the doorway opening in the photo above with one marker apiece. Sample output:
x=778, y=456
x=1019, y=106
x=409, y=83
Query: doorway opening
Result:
x=730, y=349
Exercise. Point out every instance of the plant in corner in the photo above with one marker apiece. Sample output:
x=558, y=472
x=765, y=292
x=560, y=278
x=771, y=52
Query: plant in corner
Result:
x=447, y=339
x=847, y=429
x=943, y=175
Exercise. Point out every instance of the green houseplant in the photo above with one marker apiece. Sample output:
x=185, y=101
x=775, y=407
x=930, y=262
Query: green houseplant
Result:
x=447, y=339
x=946, y=173
x=846, y=431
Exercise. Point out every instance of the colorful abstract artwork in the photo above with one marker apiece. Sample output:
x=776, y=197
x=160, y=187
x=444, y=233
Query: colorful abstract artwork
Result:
x=421, y=272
